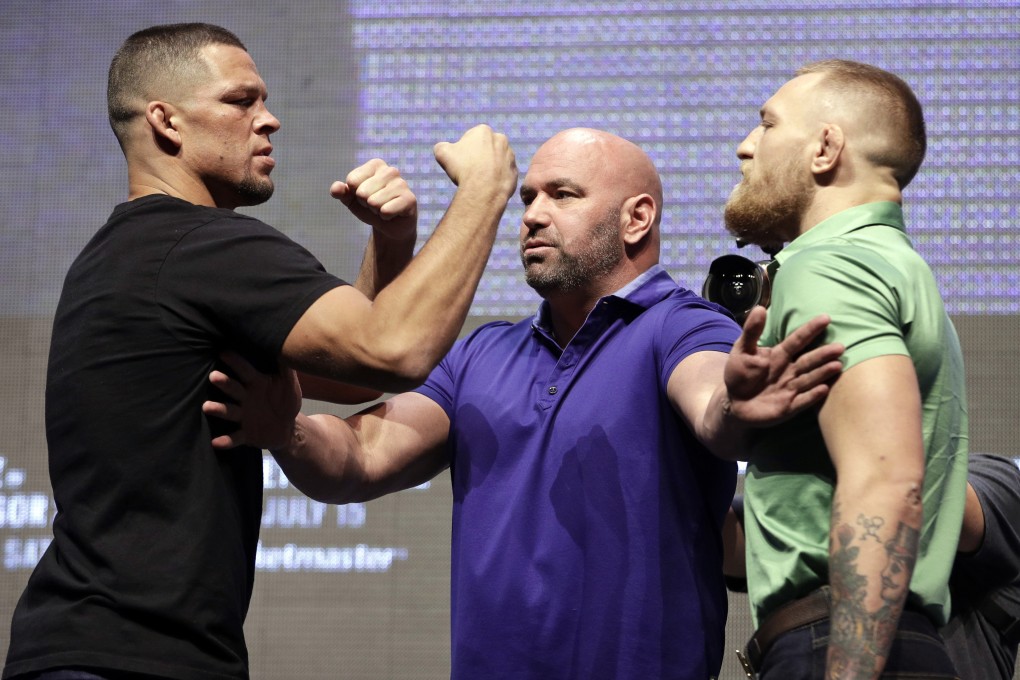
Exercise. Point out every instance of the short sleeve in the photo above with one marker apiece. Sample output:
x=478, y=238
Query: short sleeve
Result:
x=242, y=282
x=859, y=291
x=690, y=328
x=441, y=385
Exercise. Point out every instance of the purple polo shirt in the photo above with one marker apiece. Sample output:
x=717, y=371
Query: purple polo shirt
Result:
x=586, y=517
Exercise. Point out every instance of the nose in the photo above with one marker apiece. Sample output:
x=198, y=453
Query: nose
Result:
x=265, y=121
x=747, y=147
x=535, y=215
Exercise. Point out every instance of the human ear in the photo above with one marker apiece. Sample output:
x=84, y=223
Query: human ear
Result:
x=159, y=116
x=638, y=213
x=829, y=148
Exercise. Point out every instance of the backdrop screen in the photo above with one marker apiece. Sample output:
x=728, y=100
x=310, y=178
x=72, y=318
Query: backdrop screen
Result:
x=362, y=590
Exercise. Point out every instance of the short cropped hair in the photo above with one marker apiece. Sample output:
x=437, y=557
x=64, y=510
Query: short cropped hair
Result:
x=150, y=61
x=900, y=110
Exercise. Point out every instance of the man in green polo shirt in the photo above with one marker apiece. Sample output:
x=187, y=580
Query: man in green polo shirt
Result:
x=853, y=512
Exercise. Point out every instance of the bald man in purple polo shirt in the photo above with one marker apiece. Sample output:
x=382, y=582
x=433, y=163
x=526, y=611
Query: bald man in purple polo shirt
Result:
x=587, y=503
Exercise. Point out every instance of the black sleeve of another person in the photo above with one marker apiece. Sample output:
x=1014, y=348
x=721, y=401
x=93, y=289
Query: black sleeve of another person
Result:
x=984, y=627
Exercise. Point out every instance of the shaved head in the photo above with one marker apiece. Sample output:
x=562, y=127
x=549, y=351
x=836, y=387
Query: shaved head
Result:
x=620, y=163
x=879, y=111
x=158, y=63
x=592, y=212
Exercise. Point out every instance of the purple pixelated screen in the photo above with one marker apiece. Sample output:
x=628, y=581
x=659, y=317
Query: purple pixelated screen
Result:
x=686, y=83
x=684, y=80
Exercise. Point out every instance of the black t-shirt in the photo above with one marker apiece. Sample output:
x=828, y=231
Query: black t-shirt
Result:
x=153, y=556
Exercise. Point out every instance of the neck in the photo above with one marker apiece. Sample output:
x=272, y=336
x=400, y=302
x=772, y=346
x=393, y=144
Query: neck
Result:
x=568, y=310
x=567, y=313
x=832, y=200
x=171, y=181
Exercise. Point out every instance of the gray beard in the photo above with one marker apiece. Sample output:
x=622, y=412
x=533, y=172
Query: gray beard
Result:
x=575, y=272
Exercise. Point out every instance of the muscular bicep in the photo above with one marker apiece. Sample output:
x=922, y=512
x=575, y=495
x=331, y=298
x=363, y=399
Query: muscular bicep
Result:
x=871, y=423
x=403, y=441
x=343, y=336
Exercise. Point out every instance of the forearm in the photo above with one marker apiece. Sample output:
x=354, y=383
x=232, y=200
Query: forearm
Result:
x=873, y=549
x=385, y=258
x=388, y=447
x=420, y=314
x=334, y=391
x=393, y=342
x=871, y=423
x=721, y=432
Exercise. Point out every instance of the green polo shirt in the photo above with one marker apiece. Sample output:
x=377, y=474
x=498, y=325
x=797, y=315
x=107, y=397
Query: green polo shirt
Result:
x=858, y=267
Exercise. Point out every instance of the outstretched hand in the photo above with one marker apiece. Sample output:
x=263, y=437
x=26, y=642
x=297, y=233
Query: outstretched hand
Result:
x=377, y=195
x=264, y=408
x=767, y=385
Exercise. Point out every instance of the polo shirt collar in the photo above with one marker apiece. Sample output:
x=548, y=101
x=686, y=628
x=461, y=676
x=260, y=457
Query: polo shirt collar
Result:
x=844, y=222
x=648, y=288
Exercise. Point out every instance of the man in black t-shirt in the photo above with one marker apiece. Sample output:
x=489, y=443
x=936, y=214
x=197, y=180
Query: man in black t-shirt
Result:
x=150, y=570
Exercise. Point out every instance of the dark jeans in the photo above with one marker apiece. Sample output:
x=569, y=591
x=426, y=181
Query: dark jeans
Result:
x=79, y=674
x=917, y=653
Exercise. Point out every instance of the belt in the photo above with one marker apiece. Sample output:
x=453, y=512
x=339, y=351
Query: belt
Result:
x=797, y=614
x=1007, y=624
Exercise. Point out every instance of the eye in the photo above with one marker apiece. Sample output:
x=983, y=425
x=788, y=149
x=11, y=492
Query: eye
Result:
x=565, y=193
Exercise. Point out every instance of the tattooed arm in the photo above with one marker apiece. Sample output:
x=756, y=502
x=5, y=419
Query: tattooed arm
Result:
x=872, y=428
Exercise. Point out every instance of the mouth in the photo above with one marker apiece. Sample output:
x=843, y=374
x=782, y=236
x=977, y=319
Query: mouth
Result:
x=267, y=160
x=534, y=252
x=535, y=244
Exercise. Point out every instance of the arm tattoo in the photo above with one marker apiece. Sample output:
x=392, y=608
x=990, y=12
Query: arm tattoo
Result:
x=860, y=639
x=871, y=526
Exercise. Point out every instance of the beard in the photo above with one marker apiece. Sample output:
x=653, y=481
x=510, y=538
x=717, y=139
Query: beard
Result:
x=252, y=190
x=767, y=211
x=566, y=272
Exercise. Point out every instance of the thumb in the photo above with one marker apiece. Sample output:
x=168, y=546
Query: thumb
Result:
x=341, y=192
x=751, y=333
x=442, y=154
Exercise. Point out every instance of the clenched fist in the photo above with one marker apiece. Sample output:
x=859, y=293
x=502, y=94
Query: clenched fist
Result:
x=480, y=155
x=377, y=195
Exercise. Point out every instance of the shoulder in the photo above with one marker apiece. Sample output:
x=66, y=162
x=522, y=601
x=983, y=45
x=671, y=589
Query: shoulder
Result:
x=837, y=261
x=992, y=475
x=492, y=333
x=683, y=312
x=228, y=223
x=186, y=217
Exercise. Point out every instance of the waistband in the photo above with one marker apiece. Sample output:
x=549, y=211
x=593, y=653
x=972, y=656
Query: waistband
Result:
x=808, y=610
